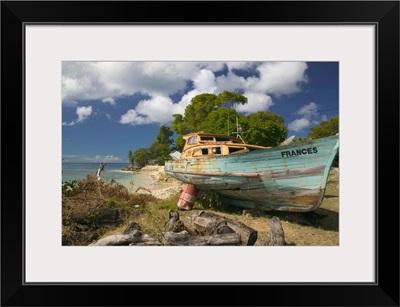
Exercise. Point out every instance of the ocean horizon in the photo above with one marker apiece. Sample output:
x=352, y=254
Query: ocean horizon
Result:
x=112, y=171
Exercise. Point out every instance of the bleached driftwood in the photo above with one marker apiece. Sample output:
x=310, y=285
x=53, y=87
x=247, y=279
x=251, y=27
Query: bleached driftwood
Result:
x=210, y=223
x=275, y=233
x=100, y=169
x=211, y=230
x=184, y=238
x=120, y=239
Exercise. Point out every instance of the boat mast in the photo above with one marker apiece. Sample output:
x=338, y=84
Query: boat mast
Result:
x=238, y=130
x=229, y=111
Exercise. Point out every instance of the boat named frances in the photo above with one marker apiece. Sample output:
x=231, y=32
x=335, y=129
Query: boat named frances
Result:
x=290, y=177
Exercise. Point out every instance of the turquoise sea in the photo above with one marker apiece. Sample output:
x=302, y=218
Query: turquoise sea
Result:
x=78, y=171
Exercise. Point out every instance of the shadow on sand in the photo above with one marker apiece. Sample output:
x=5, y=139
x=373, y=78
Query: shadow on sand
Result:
x=321, y=218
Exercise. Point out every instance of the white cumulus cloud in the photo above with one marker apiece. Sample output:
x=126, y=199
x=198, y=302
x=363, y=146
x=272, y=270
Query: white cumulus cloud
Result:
x=299, y=124
x=309, y=116
x=107, y=158
x=255, y=102
x=308, y=110
x=109, y=100
x=281, y=78
x=83, y=113
x=160, y=82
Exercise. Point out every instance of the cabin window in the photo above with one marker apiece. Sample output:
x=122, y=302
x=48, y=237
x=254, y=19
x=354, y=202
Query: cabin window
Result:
x=200, y=152
x=192, y=140
x=216, y=150
x=234, y=149
x=222, y=139
x=207, y=138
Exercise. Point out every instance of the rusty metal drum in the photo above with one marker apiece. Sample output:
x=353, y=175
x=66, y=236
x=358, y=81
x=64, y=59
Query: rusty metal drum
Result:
x=188, y=197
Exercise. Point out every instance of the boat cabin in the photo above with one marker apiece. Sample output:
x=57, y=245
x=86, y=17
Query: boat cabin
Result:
x=201, y=144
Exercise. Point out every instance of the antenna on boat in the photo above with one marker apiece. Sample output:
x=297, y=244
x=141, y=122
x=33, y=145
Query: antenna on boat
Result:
x=238, y=130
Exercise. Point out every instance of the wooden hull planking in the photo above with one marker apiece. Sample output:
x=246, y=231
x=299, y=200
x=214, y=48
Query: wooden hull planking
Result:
x=289, y=178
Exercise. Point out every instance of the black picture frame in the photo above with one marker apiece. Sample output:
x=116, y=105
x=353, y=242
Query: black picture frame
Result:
x=383, y=14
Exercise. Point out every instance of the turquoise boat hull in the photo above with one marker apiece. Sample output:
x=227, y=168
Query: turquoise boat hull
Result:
x=287, y=178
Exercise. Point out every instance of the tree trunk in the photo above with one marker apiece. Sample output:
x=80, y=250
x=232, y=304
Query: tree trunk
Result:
x=185, y=239
x=210, y=223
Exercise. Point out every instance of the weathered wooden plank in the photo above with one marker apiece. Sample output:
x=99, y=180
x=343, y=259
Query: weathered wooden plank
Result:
x=185, y=239
x=211, y=223
x=294, y=175
x=120, y=239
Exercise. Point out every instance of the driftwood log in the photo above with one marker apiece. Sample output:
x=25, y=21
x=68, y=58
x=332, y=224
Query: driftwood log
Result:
x=132, y=235
x=173, y=223
x=210, y=230
x=212, y=224
x=184, y=238
x=276, y=235
x=120, y=239
x=100, y=169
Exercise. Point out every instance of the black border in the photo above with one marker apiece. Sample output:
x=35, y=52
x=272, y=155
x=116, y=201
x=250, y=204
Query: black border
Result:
x=383, y=14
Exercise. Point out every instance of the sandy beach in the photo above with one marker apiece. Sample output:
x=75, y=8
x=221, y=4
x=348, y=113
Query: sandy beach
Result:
x=161, y=185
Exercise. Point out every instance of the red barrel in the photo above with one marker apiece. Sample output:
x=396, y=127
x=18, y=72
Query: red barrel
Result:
x=188, y=197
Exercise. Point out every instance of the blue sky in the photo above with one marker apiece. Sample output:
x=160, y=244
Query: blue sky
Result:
x=109, y=108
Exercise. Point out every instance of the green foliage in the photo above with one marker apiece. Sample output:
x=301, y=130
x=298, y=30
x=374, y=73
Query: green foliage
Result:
x=179, y=124
x=179, y=143
x=300, y=140
x=161, y=147
x=200, y=107
x=124, y=208
x=142, y=156
x=264, y=129
x=131, y=157
x=164, y=135
x=266, y=116
x=210, y=113
x=325, y=128
x=166, y=206
x=217, y=121
x=70, y=187
x=226, y=97
x=197, y=111
x=110, y=203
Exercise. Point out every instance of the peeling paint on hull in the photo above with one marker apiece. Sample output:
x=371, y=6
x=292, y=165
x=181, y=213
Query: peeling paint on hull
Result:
x=289, y=178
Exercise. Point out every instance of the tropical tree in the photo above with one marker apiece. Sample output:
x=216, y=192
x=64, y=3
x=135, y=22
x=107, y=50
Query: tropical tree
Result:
x=142, y=156
x=325, y=128
x=264, y=128
x=199, y=109
x=220, y=120
x=131, y=157
x=161, y=147
x=216, y=114
x=164, y=135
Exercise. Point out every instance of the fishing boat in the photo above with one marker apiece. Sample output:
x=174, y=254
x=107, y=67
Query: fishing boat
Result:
x=288, y=177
